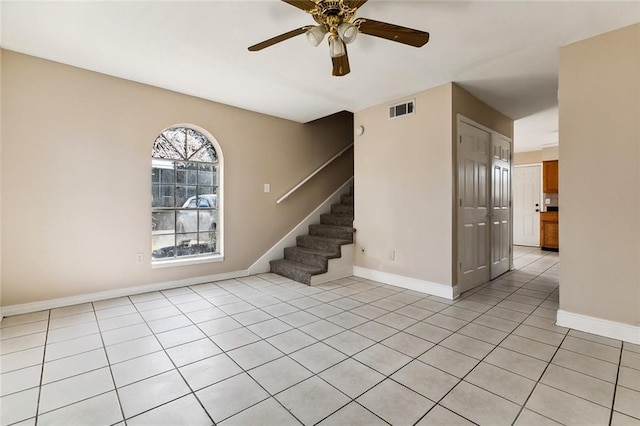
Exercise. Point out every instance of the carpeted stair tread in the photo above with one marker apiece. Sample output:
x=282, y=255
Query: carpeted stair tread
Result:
x=336, y=219
x=309, y=256
x=321, y=243
x=342, y=209
x=295, y=270
x=327, y=254
x=333, y=231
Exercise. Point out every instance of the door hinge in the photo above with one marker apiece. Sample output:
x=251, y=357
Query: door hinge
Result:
x=460, y=202
x=460, y=266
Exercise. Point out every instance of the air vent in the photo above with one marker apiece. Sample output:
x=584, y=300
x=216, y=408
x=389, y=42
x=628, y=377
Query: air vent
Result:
x=405, y=108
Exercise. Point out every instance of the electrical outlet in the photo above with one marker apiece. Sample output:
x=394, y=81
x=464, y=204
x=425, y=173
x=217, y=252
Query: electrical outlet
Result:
x=392, y=254
x=139, y=258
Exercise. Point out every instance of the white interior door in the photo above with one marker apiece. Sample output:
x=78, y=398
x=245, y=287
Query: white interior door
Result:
x=473, y=208
x=526, y=205
x=500, y=206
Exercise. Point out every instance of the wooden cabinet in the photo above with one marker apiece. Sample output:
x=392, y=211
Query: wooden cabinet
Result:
x=549, y=236
x=550, y=177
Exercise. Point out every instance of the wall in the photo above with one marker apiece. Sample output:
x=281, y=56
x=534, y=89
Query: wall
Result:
x=0, y=173
x=533, y=157
x=404, y=180
x=76, y=178
x=600, y=148
x=529, y=157
x=403, y=189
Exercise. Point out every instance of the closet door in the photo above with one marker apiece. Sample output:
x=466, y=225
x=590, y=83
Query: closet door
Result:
x=500, y=206
x=474, y=145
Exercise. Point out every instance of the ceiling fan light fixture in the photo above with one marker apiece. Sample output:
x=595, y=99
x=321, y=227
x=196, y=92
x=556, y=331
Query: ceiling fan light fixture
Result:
x=316, y=34
x=336, y=47
x=347, y=32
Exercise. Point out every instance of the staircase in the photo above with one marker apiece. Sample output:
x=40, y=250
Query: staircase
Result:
x=309, y=259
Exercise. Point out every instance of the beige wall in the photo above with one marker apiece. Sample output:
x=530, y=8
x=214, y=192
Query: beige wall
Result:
x=0, y=176
x=471, y=107
x=529, y=157
x=403, y=188
x=404, y=180
x=76, y=178
x=600, y=176
x=551, y=153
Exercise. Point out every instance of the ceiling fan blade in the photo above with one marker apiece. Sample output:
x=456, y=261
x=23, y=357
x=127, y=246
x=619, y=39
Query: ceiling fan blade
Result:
x=278, y=39
x=341, y=65
x=354, y=4
x=393, y=32
x=306, y=5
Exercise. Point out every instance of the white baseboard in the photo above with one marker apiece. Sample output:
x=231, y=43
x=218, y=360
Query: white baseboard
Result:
x=612, y=329
x=276, y=252
x=26, y=308
x=427, y=287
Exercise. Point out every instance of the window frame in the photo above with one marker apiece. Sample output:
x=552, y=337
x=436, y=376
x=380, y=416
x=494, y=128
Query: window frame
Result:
x=203, y=258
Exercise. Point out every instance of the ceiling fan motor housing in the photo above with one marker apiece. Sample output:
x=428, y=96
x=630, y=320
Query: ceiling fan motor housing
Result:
x=330, y=7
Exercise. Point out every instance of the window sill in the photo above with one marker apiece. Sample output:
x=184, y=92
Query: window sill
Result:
x=158, y=264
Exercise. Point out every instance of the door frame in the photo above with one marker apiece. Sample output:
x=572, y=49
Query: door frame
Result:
x=540, y=200
x=457, y=213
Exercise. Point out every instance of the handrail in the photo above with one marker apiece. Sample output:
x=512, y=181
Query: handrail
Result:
x=318, y=170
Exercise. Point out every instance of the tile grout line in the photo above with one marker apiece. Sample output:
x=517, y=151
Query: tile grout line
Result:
x=615, y=386
x=44, y=356
x=106, y=354
x=489, y=353
x=164, y=350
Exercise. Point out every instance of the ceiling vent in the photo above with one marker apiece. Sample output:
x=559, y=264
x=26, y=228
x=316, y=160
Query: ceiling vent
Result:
x=405, y=108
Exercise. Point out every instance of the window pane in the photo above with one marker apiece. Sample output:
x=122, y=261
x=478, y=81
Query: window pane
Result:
x=163, y=246
x=208, y=220
x=186, y=173
x=206, y=154
x=176, y=137
x=166, y=175
x=207, y=242
x=183, y=195
x=187, y=244
x=162, y=195
x=187, y=221
x=163, y=222
x=207, y=192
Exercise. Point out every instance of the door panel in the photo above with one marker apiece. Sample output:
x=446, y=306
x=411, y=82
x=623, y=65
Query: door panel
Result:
x=526, y=200
x=473, y=160
x=501, y=207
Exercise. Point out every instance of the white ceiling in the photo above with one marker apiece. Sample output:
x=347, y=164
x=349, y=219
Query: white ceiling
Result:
x=505, y=53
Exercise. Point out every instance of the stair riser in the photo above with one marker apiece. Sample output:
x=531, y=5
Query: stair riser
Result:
x=342, y=209
x=304, y=241
x=324, y=231
x=332, y=219
x=294, y=274
x=347, y=200
x=310, y=259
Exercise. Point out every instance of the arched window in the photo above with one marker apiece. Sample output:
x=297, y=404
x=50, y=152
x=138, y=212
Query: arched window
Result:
x=186, y=196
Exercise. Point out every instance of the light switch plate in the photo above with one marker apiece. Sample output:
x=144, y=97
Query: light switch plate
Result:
x=547, y=201
x=267, y=188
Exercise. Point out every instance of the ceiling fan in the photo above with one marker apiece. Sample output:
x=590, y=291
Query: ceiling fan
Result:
x=337, y=18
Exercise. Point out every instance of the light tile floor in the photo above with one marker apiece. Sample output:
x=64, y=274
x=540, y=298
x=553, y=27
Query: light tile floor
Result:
x=266, y=350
